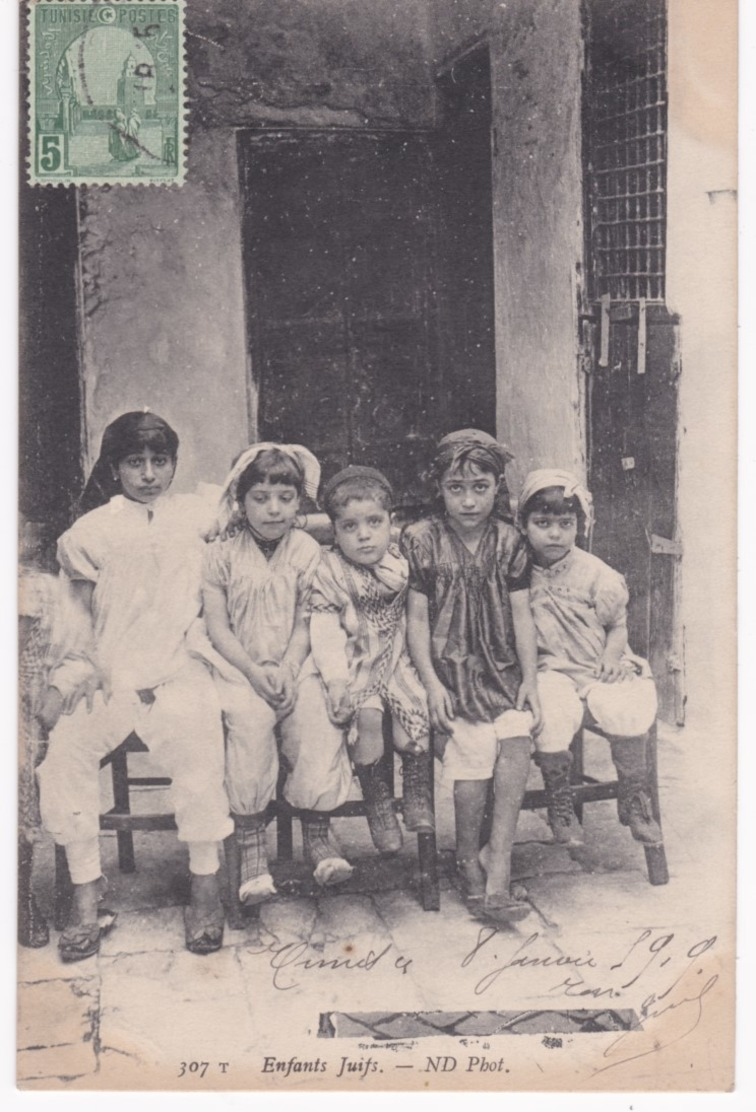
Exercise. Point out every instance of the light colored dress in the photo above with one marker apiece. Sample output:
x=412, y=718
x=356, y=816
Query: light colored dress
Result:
x=575, y=603
x=263, y=594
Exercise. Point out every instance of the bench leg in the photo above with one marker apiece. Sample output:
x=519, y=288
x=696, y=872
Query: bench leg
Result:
x=656, y=858
x=284, y=834
x=429, y=891
x=122, y=805
x=577, y=772
x=63, y=889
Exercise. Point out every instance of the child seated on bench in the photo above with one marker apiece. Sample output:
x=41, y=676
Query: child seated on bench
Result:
x=256, y=587
x=579, y=607
x=358, y=635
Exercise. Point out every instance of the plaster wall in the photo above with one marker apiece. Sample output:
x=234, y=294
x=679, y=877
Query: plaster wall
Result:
x=536, y=60
x=162, y=305
x=161, y=283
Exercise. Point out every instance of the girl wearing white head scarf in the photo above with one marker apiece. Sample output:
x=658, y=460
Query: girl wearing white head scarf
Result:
x=585, y=667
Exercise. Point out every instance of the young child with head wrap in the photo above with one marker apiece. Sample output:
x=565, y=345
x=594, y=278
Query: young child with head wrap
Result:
x=257, y=581
x=358, y=635
x=471, y=637
x=585, y=666
x=133, y=562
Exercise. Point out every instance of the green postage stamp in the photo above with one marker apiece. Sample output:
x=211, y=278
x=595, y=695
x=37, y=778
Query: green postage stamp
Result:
x=106, y=92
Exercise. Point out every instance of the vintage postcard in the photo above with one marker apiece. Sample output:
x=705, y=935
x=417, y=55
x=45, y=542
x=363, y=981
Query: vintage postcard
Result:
x=377, y=490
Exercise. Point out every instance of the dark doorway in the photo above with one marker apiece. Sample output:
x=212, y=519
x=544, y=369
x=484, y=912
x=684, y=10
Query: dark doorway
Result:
x=467, y=354
x=630, y=338
x=338, y=231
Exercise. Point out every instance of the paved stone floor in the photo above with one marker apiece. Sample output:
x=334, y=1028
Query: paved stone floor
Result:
x=365, y=967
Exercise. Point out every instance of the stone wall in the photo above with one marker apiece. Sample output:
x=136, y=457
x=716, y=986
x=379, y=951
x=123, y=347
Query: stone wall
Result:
x=162, y=302
x=536, y=58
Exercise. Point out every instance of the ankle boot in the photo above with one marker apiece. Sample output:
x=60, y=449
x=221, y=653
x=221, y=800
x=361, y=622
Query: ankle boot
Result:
x=634, y=805
x=32, y=927
x=383, y=824
x=417, y=770
x=555, y=769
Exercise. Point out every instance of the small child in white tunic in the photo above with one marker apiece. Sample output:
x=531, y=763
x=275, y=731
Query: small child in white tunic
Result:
x=585, y=666
x=134, y=563
x=358, y=633
x=257, y=581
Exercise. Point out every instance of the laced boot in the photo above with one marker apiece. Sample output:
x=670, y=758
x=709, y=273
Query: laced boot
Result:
x=383, y=824
x=418, y=804
x=634, y=805
x=255, y=883
x=32, y=926
x=321, y=849
x=555, y=769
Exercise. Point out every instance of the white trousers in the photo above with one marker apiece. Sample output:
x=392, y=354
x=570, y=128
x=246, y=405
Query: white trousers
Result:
x=182, y=730
x=314, y=750
x=625, y=709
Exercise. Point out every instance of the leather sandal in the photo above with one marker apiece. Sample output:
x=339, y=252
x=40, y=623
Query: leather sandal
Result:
x=82, y=940
x=502, y=908
x=203, y=931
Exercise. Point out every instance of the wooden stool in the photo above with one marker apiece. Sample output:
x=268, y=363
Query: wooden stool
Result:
x=587, y=789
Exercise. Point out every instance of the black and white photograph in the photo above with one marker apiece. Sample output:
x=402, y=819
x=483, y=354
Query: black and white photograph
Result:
x=377, y=411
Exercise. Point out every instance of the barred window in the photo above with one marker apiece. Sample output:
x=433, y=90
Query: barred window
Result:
x=626, y=141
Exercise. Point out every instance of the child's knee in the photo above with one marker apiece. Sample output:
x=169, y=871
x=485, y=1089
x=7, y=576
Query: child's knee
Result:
x=562, y=712
x=369, y=746
x=626, y=709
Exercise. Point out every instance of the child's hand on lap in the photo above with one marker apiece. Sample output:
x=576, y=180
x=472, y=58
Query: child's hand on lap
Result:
x=266, y=681
x=441, y=708
x=611, y=669
x=51, y=708
x=340, y=708
x=527, y=698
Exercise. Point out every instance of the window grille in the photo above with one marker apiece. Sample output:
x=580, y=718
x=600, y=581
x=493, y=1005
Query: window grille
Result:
x=626, y=139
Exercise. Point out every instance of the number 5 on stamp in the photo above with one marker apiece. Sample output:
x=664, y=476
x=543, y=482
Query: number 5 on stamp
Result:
x=106, y=92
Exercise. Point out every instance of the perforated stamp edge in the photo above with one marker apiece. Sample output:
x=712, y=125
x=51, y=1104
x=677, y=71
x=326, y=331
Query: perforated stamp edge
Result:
x=179, y=174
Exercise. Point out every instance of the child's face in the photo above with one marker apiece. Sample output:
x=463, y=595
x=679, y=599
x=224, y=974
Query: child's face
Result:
x=551, y=536
x=271, y=508
x=363, y=531
x=469, y=496
x=145, y=475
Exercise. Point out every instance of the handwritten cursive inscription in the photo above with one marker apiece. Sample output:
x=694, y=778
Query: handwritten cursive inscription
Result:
x=285, y=958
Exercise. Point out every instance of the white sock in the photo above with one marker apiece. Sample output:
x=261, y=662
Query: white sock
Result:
x=84, y=860
x=203, y=858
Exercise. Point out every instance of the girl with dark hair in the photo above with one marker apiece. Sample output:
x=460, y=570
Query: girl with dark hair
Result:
x=472, y=640
x=133, y=563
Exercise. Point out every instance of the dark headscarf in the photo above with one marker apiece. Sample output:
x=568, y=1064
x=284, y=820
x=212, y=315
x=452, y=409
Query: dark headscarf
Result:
x=479, y=448
x=131, y=432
